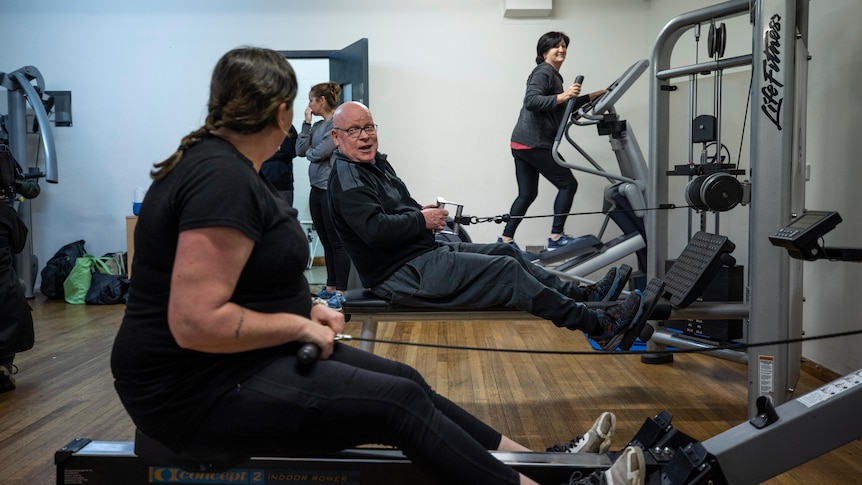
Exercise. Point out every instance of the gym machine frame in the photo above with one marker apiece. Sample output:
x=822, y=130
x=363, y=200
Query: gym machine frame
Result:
x=629, y=186
x=779, y=61
x=749, y=453
x=20, y=91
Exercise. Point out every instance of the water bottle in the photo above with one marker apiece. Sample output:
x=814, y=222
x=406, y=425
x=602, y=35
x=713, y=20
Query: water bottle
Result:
x=140, y=192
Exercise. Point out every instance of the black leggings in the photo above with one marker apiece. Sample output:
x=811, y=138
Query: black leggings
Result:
x=337, y=260
x=351, y=399
x=529, y=164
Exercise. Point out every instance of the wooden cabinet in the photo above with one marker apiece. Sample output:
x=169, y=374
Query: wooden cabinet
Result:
x=131, y=221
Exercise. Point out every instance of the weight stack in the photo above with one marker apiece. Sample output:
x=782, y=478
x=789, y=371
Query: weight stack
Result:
x=726, y=286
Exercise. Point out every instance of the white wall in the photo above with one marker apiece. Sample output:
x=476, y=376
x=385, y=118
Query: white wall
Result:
x=446, y=82
x=834, y=118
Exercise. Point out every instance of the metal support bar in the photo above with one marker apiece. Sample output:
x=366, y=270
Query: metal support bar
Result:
x=20, y=90
x=779, y=64
x=806, y=428
x=778, y=191
x=718, y=65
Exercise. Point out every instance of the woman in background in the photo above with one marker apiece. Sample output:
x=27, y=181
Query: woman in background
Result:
x=315, y=143
x=279, y=168
x=533, y=137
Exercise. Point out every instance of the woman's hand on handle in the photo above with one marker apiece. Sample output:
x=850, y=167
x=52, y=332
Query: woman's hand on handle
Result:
x=571, y=92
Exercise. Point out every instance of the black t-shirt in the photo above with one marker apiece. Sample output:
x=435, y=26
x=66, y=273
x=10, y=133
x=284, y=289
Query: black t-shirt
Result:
x=379, y=223
x=165, y=388
x=279, y=168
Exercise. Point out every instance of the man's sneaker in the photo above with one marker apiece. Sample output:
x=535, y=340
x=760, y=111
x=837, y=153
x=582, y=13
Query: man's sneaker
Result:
x=596, y=440
x=628, y=469
x=615, y=320
x=323, y=294
x=336, y=301
x=560, y=242
x=611, y=286
x=510, y=243
x=7, y=382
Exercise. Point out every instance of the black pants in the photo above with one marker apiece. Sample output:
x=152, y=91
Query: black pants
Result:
x=529, y=164
x=287, y=195
x=16, y=319
x=337, y=260
x=468, y=275
x=351, y=399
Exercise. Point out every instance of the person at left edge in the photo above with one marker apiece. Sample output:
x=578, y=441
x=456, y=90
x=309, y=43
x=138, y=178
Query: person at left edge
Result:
x=16, y=319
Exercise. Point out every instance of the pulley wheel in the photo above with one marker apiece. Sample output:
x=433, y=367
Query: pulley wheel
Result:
x=721, y=192
x=692, y=193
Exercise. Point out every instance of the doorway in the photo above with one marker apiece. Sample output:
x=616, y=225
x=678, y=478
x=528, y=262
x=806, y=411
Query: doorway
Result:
x=349, y=68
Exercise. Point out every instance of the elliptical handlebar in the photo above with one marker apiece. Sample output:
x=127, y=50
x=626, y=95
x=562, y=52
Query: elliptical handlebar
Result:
x=595, y=110
x=20, y=80
x=570, y=106
x=619, y=87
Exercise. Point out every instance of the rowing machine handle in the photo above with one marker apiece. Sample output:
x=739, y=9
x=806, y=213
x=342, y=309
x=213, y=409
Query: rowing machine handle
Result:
x=570, y=105
x=308, y=353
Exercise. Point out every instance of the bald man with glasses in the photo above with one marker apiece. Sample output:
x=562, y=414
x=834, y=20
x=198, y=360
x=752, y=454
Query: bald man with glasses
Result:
x=390, y=239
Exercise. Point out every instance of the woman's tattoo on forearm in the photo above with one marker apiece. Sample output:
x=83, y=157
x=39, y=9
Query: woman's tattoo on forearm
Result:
x=241, y=319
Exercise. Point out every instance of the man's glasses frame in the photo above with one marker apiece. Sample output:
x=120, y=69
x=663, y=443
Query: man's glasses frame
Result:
x=355, y=132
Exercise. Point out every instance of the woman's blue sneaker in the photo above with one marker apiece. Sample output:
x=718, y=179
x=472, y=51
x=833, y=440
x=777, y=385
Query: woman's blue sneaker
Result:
x=325, y=295
x=560, y=242
x=336, y=301
x=510, y=243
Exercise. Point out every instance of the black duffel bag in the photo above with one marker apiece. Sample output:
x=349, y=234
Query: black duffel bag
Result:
x=57, y=269
x=107, y=289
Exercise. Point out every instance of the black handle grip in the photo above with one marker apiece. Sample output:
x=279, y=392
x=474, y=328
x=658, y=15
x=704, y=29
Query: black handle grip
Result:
x=308, y=353
x=570, y=106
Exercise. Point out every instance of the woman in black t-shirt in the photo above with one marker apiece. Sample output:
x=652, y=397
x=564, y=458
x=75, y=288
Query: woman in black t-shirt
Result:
x=279, y=168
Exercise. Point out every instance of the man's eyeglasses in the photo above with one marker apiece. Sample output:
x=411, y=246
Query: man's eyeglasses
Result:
x=354, y=132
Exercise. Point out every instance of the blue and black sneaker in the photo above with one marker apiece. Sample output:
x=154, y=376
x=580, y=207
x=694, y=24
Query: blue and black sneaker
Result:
x=336, y=301
x=563, y=240
x=624, y=323
x=325, y=294
x=615, y=321
x=611, y=286
x=510, y=243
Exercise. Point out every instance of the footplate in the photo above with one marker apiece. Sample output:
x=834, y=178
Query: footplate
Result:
x=696, y=267
x=649, y=299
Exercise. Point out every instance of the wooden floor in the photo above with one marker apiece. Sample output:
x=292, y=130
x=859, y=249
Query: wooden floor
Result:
x=65, y=389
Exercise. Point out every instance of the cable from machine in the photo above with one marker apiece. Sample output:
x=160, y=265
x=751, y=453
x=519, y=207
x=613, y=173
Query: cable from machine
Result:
x=467, y=220
x=725, y=346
